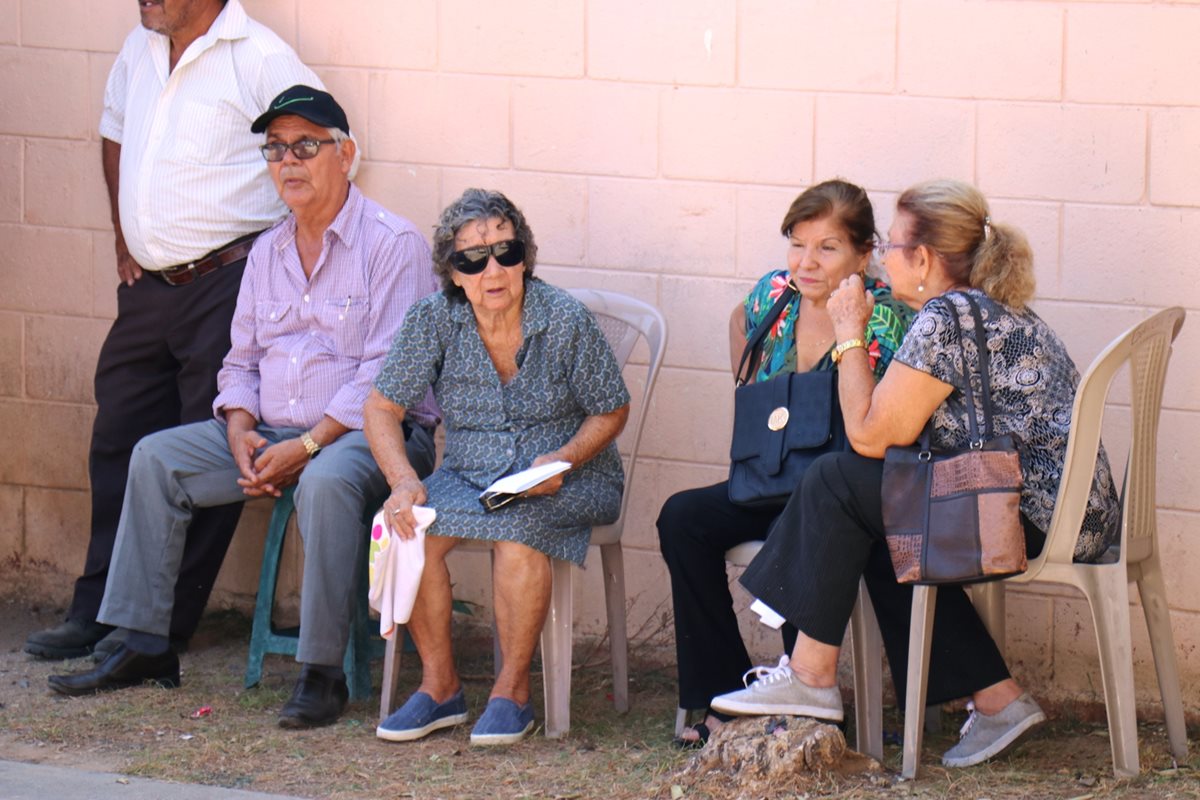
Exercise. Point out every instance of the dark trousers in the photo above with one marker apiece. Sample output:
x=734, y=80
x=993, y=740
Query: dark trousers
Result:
x=158, y=369
x=695, y=528
x=831, y=533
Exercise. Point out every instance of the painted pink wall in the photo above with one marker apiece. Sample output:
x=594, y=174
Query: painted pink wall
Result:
x=655, y=146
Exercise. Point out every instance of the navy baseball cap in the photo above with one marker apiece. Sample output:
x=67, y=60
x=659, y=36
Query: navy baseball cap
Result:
x=304, y=101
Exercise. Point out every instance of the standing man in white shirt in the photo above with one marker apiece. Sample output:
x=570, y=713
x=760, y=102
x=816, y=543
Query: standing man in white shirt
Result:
x=189, y=192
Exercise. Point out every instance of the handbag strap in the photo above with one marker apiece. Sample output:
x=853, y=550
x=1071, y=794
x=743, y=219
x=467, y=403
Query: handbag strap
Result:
x=985, y=372
x=754, y=343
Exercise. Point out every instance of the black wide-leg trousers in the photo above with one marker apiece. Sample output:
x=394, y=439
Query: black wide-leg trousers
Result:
x=695, y=528
x=831, y=533
x=158, y=369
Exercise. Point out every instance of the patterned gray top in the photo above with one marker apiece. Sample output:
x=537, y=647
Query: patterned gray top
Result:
x=1033, y=381
x=566, y=372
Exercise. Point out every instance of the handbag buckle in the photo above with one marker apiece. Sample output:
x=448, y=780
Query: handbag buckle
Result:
x=778, y=419
x=924, y=456
x=977, y=445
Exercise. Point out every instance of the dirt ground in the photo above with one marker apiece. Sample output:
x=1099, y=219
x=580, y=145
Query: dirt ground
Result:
x=152, y=733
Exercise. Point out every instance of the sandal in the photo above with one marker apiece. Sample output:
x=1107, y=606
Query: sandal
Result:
x=702, y=731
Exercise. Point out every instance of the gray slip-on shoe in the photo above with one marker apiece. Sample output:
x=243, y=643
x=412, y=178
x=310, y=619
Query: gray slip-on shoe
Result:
x=985, y=736
x=779, y=690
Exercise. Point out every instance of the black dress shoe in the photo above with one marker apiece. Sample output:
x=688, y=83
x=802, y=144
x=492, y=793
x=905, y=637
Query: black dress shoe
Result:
x=109, y=644
x=317, y=700
x=122, y=669
x=72, y=639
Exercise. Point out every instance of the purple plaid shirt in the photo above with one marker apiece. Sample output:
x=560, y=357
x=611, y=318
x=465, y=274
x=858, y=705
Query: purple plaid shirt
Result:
x=306, y=347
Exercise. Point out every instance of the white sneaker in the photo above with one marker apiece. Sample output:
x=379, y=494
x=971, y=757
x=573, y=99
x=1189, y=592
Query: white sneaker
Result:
x=984, y=736
x=779, y=690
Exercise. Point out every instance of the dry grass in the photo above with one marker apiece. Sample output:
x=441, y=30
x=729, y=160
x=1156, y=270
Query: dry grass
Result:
x=150, y=732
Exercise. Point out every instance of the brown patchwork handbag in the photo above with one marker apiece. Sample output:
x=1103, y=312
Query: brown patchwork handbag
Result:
x=954, y=516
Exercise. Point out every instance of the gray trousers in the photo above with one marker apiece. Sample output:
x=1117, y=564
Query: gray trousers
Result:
x=175, y=471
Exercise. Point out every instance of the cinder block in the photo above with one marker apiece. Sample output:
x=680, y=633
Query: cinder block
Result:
x=409, y=190
x=48, y=444
x=698, y=311
x=48, y=270
x=1087, y=328
x=973, y=55
x=656, y=482
x=822, y=45
x=32, y=75
x=1095, y=155
x=542, y=37
x=11, y=355
x=760, y=246
x=278, y=15
x=10, y=22
x=61, y=357
x=12, y=165
x=892, y=142
x=554, y=205
x=1132, y=54
x=1028, y=632
x=1131, y=255
x=64, y=185
x=418, y=117
x=104, y=275
x=1178, y=460
x=585, y=127
x=1180, y=560
x=58, y=527
x=351, y=87
x=705, y=134
x=685, y=228
x=698, y=418
x=1174, y=167
x=77, y=24
x=672, y=41
x=12, y=538
x=1042, y=225
x=647, y=601
x=378, y=33
x=1183, y=383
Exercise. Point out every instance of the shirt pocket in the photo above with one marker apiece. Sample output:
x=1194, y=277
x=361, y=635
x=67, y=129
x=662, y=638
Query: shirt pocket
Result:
x=272, y=319
x=345, y=323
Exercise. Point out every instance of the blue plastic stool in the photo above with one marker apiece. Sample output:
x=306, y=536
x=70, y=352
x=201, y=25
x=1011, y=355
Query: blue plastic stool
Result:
x=266, y=638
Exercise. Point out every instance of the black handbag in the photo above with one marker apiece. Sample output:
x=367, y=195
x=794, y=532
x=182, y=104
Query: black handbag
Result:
x=954, y=516
x=780, y=426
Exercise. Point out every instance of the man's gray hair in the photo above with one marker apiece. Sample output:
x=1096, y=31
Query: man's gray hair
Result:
x=474, y=205
x=338, y=135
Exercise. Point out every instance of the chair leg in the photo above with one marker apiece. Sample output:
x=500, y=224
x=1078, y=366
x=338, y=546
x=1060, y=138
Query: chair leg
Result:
x=391, y=673
x=1107, y=593
x=260, y=631
x=1153, y=593
x=613, y=567
x=919, y=641
x=988, y=599
x=556, y=651
x=357, y=663
x=867, y=651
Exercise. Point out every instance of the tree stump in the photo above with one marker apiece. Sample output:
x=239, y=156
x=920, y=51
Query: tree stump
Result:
x=766, y=748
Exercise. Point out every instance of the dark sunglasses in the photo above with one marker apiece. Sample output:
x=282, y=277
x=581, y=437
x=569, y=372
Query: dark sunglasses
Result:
x=473, y=260
x=303, y=149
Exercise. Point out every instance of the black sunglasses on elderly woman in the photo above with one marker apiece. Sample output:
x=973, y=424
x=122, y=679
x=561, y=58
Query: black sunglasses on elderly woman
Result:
x=473, y=260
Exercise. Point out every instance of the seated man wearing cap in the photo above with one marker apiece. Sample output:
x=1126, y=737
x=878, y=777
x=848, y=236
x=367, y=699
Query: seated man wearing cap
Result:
x=323, y=293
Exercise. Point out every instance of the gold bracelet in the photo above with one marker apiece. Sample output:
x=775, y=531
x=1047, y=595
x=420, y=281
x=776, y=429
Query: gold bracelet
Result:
x=842, y=348
x=310, y=444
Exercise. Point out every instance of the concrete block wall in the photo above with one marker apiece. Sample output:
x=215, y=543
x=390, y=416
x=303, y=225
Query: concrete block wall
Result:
x=655, y=147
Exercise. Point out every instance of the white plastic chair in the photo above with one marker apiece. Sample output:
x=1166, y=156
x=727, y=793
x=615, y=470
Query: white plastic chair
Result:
x=1146, y=347
x=624, y=320
x=866, y=650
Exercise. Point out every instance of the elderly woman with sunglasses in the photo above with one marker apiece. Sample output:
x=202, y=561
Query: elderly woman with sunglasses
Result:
x=523, y=376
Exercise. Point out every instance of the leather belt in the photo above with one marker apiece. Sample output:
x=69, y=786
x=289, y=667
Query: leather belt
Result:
x=183, y=274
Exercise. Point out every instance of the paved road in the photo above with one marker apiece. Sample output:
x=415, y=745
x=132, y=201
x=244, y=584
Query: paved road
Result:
x=19, y=781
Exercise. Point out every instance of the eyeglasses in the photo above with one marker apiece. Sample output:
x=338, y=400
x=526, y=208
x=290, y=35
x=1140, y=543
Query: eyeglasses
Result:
x=474, y=260
x=303, y=149
x=882, y=248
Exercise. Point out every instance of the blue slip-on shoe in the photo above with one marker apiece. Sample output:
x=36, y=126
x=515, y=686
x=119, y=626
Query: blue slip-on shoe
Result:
x=502, y=722
x=421, y=716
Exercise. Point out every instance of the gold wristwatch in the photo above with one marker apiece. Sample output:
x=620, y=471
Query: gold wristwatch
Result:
x=841, y=349
x=310, y=444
